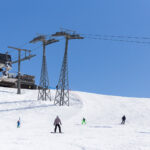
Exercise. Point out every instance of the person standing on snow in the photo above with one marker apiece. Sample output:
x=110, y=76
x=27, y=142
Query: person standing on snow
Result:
x=123, y=119
x=57, y=123
x=18, y=123
x=83, y=121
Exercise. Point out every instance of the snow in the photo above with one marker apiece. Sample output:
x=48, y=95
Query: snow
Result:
x=103, y=130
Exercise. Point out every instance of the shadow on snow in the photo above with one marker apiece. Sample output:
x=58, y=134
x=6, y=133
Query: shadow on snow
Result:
x=24, y=101
x=26, y=108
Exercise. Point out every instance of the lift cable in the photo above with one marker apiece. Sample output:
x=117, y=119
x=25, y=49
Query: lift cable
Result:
x=118, y=40
x=116, y=36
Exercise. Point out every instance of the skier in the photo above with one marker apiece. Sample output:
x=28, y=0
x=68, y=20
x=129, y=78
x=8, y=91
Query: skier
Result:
x=57, y=123
x=18, y=123
x=123, y=119
x=83, y=121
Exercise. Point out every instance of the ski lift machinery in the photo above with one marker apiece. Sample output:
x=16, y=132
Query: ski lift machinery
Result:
x=5, y=62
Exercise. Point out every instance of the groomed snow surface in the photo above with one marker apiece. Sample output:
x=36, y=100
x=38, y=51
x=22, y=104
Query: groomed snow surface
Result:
x=103, y=130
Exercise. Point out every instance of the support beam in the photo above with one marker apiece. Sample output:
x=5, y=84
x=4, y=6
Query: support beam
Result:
x=19, y=64
x=23, y=59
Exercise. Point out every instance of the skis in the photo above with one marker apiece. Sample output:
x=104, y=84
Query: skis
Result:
x=57, y=132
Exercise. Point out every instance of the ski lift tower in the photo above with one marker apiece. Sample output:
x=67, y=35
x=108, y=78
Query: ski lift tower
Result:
x=19, y=63
x=44, y=91
x=62, y=88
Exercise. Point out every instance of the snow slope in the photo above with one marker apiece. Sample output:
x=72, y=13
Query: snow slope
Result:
x=102, y=131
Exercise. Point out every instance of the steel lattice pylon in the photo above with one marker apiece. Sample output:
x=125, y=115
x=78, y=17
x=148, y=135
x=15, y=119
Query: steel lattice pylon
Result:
x=44, y=91
x=62, y=89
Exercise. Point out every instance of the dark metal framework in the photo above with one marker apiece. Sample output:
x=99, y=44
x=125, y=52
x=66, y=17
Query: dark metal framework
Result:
x=5, y=58
x=62, y=88
x=5, y=62
x=44, y=90
x=19, y=63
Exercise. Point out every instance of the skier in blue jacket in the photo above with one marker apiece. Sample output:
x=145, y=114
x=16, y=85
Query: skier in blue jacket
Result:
x=18, y=123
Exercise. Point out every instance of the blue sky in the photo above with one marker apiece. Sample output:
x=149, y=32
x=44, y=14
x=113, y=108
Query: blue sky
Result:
x=99, y=66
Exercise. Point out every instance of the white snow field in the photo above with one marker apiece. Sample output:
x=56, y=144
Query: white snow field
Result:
x=103, y=130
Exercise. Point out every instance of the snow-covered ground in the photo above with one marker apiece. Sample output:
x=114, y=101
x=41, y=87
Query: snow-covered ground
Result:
x=102, y=131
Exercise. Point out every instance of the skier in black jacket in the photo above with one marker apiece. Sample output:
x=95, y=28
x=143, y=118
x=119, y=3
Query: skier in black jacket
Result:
x=123, y=119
